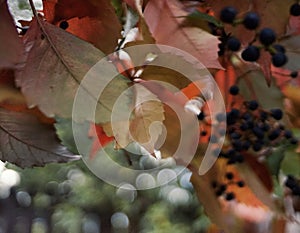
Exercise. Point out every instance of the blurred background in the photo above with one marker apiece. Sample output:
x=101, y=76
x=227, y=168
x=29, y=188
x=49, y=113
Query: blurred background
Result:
x=68, y=198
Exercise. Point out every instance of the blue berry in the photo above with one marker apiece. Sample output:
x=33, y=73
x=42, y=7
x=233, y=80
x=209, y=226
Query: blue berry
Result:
x=228, y=14
x=276, y=113
x=251, y=53
x=234, y=90
x=251, y=21
x=295, y=9
x=267, y=36
x=279, y=59
x=233, y=44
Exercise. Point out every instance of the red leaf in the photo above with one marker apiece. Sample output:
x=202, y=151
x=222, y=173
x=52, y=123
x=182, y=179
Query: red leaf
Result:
x=93, y=21
x=11, y=47
x=162, y=17
x=99, y=139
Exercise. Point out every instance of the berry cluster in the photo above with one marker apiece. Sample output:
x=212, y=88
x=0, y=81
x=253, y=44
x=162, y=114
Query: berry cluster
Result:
x=250, y=128
x=266, y=36
x=293, y=185
x=221, y=188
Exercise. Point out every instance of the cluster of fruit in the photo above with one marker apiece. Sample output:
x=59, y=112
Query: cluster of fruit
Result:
x=266, y=36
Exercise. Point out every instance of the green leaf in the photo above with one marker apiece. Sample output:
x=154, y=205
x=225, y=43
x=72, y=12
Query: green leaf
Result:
x=253, y=85
x=291, y=44
x=197, y=15
x=291, y=163
x=65, y=130
x=274, y=160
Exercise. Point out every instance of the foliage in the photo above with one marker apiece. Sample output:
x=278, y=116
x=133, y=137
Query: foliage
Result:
x=252, y=56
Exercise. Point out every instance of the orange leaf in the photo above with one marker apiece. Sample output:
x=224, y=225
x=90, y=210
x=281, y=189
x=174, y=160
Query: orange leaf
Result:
x=93, y=21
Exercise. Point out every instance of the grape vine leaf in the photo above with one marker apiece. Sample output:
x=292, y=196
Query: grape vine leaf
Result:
x=11, y=46
x=164, y=21
x=55, y=68
x=26, y=142
x=93, y=21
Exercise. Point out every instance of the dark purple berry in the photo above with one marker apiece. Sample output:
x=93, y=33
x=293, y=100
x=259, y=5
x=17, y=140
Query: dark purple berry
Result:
x=251, y=21
x=244, y=126
x=234, y=90
x=235, y=135
x=252, y=105
x=201, y=116
x=279, y=59
x=276, y=113
x=229, y=196
x=279, y=48
x=274, y=134
x=295, y=9
x=267, y=36
x=256, y=146
x=290, y=182
x=296, y=190
x=203, y=133
x=228, y=14
x=241, y=184
x=294, y=141
x=294, y=74
x=233, y=44
x=246, y=145
x=240, y=158
x=229, y=175
x=214, y=184
x=64, y=25
x=238, y=145
x=251, y=53
x=288, y=134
